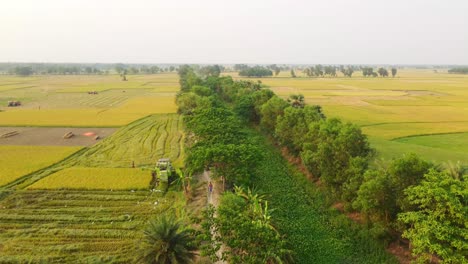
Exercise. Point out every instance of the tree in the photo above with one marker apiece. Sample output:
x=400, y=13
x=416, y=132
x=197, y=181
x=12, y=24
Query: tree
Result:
x=456, y=170
x=245, y=227
x=394, y=72
x=187, y=78
x=329, y=149
x=277, y=71
x=154, y=69
x=368, y=71
x=270, y=112
x=382, y=193
x=330, y=71
x=245, y=108
x=212, y=70
x=201, y=90
x=348, y=72
x=240, y=67
x=166, y=243
x=375, y=197
x=405, y=172
x=217, y=141
x=293, y=74
x=294, y=124
x=260, y=97
x=119, y=68
x=318, y=70
x=257, y=71
x=382, y=72
x=23, y=71
x=438, y=223
x=296, y=100
x=188, y=102
x=457, y=70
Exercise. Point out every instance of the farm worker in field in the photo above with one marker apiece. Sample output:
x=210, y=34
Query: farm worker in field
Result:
x=133, y=164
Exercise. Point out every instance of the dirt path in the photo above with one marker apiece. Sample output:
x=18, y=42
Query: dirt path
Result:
x=213, y=199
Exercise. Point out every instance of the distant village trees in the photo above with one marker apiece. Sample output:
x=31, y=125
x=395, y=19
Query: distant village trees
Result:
x=459, y=70
x=26, y=69
x=256, y=71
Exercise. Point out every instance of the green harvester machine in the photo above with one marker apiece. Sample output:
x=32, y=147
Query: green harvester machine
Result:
x=163, y=173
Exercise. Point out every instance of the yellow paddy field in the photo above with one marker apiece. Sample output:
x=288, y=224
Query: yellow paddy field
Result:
x=17, y=161
x=64, y=100
x=96, y=178
x=414, y=103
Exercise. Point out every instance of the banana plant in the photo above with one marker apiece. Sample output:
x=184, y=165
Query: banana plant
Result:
x=183, y=180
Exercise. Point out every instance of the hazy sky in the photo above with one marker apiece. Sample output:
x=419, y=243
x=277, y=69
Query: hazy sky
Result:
x=235, y=31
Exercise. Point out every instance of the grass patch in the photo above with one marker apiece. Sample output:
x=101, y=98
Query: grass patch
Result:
x=398, y=130
x=389, y=149
x=456, y=142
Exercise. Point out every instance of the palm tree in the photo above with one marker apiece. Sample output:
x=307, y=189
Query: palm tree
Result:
x=166, y=243
x=456, y=170
x=297, y=100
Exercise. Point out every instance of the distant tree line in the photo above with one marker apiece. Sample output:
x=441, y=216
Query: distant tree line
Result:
x=382, y=72
x=26, y=69
x=459, y=70
x=408, y=197
x=256, y=71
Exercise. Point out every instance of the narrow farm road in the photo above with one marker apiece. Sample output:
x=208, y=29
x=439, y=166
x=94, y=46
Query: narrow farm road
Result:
x=213, y=199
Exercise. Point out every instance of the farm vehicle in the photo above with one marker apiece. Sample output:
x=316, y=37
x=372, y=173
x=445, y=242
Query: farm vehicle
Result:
x=164, y=174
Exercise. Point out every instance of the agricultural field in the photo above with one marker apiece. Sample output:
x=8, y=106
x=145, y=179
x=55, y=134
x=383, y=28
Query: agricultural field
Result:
x=78, y=198
x=17, y=161
x=96, y=178
x=52, y=136
x=64, y=100
x=92, y=205
x=61, y=226
x=141, y=142
x=414, y=103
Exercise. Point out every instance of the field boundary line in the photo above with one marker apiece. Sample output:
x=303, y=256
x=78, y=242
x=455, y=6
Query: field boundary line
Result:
x=429, y=134
x=411, y=122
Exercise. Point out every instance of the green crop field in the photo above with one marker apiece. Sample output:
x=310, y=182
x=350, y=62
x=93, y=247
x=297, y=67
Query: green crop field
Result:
x=415, y=102
x=142, y=142
x=96, y=178
x=55, y=226
x=17, y=161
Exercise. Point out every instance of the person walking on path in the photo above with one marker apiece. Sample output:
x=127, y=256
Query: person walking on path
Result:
x=210, y=190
